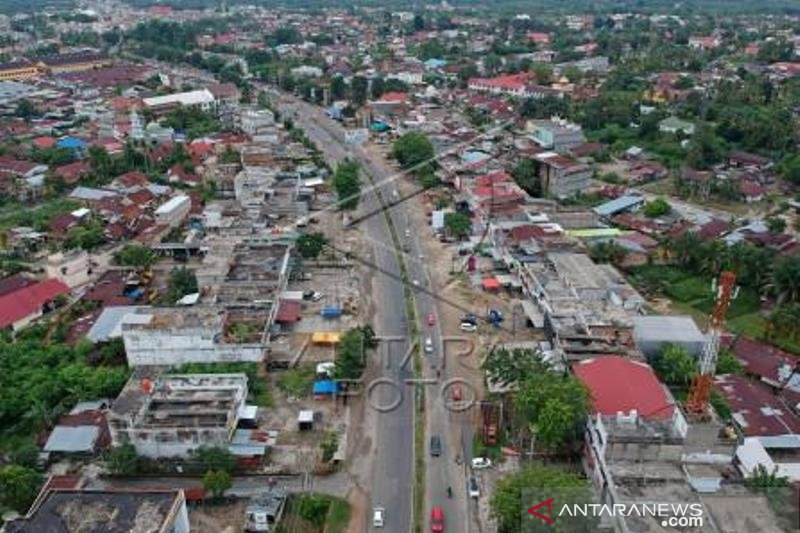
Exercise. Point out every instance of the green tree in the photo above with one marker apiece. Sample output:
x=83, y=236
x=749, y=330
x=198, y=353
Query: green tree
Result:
x=100, y=162
x=525, y=174
x=533, y=480
x=25, y=109
x=347, y=184
x=675, y=366
x=607, y=252
x=136, y=255
x=216, y=482
x=789, y=168
x=412, y=149
x=509, y=366
x=215, y=458
x=182, y=281
x=706, y=149
x=329, y=445
x=26, y=455
x=457, y=224
x=727, y=363
x=310, y=245
x=656, y=208
x=358, y=90
x=776, y=224
x=761, y=478
x=18, y=487
x=554, y=406
x=351, y=352
x=122, y=460
x=786, y=278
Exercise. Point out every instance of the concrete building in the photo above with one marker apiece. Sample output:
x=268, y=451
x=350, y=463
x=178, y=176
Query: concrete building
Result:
x=562, y=176
x=675, y=125
x=255, y=122
x=557, y=134
x=178, y=335
x=640, y=448
x=173, y=415
x=201, y=98
x=58, y=510
x=73, y=268
x=652, y=333
x=173, y=211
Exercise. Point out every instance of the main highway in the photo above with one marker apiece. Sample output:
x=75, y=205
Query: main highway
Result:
x=393, y=442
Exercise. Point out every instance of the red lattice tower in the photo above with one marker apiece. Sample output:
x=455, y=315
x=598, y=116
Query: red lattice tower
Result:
x=700, y=392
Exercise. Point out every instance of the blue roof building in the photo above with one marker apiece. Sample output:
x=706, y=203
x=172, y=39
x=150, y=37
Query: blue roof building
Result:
x=618, y=205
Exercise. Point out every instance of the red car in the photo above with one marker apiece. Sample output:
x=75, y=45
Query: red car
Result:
x=431, y=319
x=437, y=520
x=456, y=393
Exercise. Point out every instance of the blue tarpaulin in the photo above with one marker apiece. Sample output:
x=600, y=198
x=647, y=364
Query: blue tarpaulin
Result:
x=326, y=386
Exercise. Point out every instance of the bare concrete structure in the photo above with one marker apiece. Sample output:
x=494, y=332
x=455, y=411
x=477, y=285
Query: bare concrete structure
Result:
x=178, y=335
x=173, y=415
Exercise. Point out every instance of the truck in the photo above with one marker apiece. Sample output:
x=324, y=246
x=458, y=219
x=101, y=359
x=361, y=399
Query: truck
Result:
x=331, y=311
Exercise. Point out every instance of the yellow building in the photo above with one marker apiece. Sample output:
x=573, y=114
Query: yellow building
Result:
x=19, y=70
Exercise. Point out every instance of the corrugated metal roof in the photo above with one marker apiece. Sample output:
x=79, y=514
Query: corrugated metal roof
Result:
x=72, y=439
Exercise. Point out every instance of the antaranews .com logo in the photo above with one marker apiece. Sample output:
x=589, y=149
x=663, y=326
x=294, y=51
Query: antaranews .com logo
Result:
x=575, y=510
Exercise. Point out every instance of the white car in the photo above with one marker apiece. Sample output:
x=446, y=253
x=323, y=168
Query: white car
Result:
x=472, y=488
x=479, y=463
x=378, y=516
x=469, y=327
x=317, y=296
x=428, y=345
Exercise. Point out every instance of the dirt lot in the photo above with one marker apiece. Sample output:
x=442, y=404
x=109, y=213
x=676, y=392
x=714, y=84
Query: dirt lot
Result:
x=227, y=518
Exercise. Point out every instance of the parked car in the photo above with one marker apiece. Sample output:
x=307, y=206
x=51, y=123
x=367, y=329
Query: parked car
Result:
x=456, y=393
x=470, y=318
x=472, y=487
x=468, y=327
x=479, y=463
x=437, y=520
x=428, y=345
x=436, y=446
x=378, y=516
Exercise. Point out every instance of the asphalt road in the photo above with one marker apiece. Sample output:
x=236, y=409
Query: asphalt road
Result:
x=393, y=473
x=393, y=469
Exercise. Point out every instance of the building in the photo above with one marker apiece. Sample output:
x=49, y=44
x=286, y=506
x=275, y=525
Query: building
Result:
x=23, y=305
x=174, y=336
x=652, y=333
x=264, y=511
x=674, y=125
x=74, y=62
x=173, y=415
x=201, y=98
x=67, y=510
x=557, y=134
x=173, y=212
x=19, y=70
x=562, y=176
x=256, y=122
x=622, y=204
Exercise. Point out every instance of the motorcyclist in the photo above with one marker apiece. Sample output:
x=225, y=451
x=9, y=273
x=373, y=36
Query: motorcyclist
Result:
x=449, y=491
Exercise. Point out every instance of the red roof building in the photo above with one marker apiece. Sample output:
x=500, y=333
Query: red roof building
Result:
x=620, y=385
x=18, y=308
x=756, y=409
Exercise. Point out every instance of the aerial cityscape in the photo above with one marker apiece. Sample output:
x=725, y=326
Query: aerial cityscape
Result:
x=344, y=266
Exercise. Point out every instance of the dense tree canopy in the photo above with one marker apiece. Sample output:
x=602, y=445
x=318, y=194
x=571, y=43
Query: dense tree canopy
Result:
x=412, y=149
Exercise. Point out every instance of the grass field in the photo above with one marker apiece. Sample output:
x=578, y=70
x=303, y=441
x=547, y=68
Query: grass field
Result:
x=691, y=294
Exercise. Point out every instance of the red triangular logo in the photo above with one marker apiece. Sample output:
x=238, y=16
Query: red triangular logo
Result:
x=545, y=517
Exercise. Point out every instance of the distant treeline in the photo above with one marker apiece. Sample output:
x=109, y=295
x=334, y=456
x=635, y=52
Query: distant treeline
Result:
x=506, y=7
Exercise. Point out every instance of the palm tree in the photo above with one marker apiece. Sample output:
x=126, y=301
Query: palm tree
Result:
x=786, y=279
